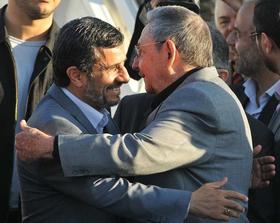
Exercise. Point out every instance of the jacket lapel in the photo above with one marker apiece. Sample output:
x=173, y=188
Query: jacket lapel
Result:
x=111, y=127
x=239, y=91
x=268, y=110
x=58, y=95
x=205, y=74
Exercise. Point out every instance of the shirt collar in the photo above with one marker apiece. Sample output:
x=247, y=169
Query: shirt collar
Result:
x=168, y=90
x=250, y=88
x=98, y=119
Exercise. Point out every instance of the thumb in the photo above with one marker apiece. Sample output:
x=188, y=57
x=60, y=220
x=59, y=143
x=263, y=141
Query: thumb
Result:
x=257, y=149
x=218, y=184
x=23, y=125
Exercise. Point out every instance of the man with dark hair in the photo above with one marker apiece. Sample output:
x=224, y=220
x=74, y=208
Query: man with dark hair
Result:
x=88, y=72
x=258, y=97
x=190, y=135
x=267, y=36
x=27, y=33
x=267, y=22
x=261, y=83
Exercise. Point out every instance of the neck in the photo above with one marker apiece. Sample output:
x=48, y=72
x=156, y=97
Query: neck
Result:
x=264, y=80
x=21, y=26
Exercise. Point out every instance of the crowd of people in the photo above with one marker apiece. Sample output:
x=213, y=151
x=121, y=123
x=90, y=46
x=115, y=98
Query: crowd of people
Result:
x=200, y=146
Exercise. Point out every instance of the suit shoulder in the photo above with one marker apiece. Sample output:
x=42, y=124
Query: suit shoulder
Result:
x=50, y=117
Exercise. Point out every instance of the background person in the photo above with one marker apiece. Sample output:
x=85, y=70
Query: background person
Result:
x=27, y=33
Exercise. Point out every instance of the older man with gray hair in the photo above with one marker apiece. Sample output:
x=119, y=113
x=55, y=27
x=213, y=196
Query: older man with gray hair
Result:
x=191, y=136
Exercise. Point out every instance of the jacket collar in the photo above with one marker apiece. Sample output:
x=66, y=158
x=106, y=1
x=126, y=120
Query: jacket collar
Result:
x=58, y=95
x=205, y=74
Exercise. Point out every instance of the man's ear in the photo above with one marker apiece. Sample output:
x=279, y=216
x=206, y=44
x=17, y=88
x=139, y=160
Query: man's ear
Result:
x=171, y=52
x=266, y=43
x=224, y=75
x=76, y=76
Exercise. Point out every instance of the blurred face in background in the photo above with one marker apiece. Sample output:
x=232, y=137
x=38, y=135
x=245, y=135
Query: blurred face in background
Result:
x=224, y=18
x=249, y=60
x=37, y=9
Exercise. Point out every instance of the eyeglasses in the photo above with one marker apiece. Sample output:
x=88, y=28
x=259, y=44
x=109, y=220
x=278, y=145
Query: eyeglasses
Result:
x=254, y=34
x=138, y=50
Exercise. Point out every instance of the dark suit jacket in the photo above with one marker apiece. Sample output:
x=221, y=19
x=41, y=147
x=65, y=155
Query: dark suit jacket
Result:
x=1, y=93
x=136, y=107
x=262, y=203
x=268, y=109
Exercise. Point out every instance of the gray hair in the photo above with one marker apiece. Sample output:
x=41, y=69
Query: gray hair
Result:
x=186, y=29
x=220, y=49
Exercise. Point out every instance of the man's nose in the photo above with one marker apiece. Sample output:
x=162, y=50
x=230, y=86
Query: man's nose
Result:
x=123, y=75
x=135, y=64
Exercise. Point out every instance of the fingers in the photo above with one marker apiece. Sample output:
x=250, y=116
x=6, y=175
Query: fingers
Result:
x=211, y=202
x=261, y=184
x=231, y=213
x=257, y=149
x=22, y=155
x=23, y=125
x=266, y=160
x=233, y=205
x=233, y=195
x=217, y=184
x=268, y=168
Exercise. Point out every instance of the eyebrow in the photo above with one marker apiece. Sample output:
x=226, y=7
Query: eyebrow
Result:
x=115, y=64
x=224, y=17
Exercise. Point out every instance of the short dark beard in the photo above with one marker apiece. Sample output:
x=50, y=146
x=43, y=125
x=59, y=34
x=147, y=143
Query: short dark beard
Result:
x=251, y=63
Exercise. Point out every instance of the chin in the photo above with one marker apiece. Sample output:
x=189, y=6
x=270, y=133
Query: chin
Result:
x=113, y=101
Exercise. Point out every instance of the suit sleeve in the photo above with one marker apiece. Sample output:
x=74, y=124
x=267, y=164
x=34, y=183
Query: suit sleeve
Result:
x=113, y=194
x=172, y=140
x=120, y=197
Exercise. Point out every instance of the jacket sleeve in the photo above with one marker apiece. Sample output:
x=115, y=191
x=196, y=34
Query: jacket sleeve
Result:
x=120, y=197
x=182, y=133
x=113, y=194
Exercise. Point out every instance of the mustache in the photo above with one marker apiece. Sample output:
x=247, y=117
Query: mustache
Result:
x=115, y=85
